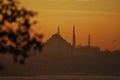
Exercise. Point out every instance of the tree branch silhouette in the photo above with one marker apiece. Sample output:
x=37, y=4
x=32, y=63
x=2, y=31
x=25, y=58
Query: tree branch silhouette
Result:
x=16, y=30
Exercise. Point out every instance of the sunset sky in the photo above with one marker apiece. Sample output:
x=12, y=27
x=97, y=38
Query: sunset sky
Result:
x=100, y=18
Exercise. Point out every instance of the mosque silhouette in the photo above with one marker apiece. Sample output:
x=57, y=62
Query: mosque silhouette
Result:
x=57, y=42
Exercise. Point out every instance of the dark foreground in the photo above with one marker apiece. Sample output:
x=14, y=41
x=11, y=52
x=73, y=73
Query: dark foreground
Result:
x=60, y=77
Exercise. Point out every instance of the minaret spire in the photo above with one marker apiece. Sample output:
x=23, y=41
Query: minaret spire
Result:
x=89, y=40
x=74, y=37
x=58, y=30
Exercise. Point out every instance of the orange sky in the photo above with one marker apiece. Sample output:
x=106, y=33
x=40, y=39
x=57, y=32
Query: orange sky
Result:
x=101, y=18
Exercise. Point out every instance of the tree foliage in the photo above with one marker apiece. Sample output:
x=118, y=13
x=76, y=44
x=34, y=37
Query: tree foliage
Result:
x=16, y=29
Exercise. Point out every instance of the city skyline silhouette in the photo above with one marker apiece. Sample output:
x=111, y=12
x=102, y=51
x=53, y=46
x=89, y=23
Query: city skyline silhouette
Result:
x=60, y=57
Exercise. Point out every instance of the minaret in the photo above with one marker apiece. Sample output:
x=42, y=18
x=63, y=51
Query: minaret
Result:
x=58, y=30
x=89, y=41
x=74, y=37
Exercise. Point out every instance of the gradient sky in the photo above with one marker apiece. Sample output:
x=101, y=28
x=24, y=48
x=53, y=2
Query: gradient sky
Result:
x=100, y=18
